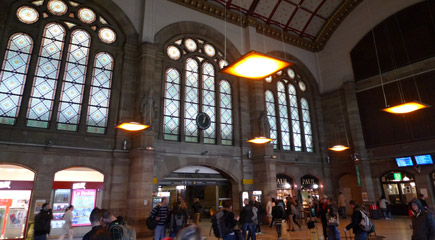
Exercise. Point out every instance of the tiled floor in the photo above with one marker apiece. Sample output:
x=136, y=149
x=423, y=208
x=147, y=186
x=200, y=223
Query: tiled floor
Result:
x=396, y=229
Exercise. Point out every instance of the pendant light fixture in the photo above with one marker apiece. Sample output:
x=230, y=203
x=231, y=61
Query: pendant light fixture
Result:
x=253, y=65
x=260, y=140
x=404, y=107
x=340, y=147
x=132, y=126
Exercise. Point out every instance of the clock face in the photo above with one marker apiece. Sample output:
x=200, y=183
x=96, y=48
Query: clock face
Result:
x=203, y=120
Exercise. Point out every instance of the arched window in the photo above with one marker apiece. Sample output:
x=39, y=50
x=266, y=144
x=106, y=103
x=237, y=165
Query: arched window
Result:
x=294, y=134
x=191, y=98
x=69, y=79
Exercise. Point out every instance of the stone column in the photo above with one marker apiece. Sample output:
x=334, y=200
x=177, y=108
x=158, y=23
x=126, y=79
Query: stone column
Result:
x=356, y=136
x=140, y=188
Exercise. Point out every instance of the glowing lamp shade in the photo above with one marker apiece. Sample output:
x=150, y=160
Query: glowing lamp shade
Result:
x=260, y=140
x=338, y=148
x=406, y=108
x=255, y=65
x=133, y=126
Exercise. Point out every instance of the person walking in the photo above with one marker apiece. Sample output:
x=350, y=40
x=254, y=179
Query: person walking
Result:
x=160, y=213
x=383, y=206
x=322, y=212
x=289, y=215
x=423, y=223
x=178, y=220
x=42, y=225
x=356, y=220
x=333, y=222
x=114, y=224
x=98, y=232
x=269, y=206
x=295, y=211
x=196, y=210
x=342, y=206
x=260, y=216
x=67, y=227
x=246, y=216
x=229, y=219
x=278, y=214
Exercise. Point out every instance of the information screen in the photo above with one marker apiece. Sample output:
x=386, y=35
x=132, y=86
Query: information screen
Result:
x=423, y=159
x=404, y=161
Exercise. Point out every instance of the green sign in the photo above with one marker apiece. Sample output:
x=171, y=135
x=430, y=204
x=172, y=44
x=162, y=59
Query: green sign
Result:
x=397, y=176
x=358, y=178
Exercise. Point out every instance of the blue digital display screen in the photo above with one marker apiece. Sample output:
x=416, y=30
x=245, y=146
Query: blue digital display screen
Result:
x=404, y=162
x=423, y=159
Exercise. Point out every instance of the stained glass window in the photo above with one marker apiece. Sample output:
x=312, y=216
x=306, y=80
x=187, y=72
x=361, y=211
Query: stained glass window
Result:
x=171, y=115
x=98, y=109
x=74, y=81
x=308, y=134
x=46, y=75
x=191, y=105
x=302, y=86
x=291, y=73
x=283, y=117
x=226, y=113
x=86, y=15
x=107, y=35
x=190, y=45
x=223, y=63
x=13, y=76
x=271, y=116
x=57, y=7
x=209, y=50
x=294, y=114
x=27, y=15
x=208, y=101
x=173, y=52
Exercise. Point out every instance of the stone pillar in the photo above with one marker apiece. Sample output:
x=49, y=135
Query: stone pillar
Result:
x=140, y=188
x=264, y=171
x=356, y=136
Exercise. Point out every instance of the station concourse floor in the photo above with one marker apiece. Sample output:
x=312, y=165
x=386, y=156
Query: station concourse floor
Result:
x=396, y=229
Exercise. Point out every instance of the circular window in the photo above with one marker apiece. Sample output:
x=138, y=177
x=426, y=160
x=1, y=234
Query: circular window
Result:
x=107, y=35
x=291, y=73
x=268, y=79
x=27, y=15
x=279, y=73
x=223, y=63
x=209, y=50
x=57, y=7
x=190, y=45
x=302, y=86
x=86, y=15
x=173, y=52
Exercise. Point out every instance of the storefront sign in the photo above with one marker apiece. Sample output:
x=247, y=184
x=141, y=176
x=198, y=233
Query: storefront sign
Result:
x=79, y=185
x=163, y=194
x=256, y=192
x=309, y=182
x=397, y=176
x=284, y=182
x=5, y=184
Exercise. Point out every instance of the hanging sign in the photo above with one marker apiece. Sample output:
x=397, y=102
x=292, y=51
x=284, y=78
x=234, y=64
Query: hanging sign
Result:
x=397, y=176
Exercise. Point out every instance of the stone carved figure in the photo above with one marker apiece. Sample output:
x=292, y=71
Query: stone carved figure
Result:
x=148, y=108
x=264, y=124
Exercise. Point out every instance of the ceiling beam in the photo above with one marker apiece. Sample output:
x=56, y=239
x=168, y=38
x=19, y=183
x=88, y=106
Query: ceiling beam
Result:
x=253, y=7
x=273, y=11
x=312, y=16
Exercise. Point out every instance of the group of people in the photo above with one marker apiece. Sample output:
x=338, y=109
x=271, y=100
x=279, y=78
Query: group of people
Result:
x=105, y=226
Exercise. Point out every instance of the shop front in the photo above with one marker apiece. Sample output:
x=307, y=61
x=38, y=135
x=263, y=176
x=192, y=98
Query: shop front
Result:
x=399, y=189
x=285, y=186
x=16, y=186
x=80, y=187
x=310, y=187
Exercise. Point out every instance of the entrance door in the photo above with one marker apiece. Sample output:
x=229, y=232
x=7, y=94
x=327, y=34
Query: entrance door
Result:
x=399, y=188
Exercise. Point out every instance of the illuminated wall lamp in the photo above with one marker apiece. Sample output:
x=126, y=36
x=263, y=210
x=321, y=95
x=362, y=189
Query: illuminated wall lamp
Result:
x=133, y=126
x=338, y=148
x=255, y=65
x=406, y=107
x=260, y=140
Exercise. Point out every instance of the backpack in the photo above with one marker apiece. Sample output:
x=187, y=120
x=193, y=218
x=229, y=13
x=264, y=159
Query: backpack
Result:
x=366, y=225
x=179, y=220
x=218, y=224
x=151, y=221
x=128, y=232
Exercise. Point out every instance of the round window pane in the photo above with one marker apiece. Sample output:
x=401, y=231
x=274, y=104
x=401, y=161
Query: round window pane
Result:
x=279, y=73
x=209, y=50
x=190, y=45
x=223, y=63
x=107, y=35
x=86, y=15
x=269, y=79
x=27, y=15
x=57, y=7
x=291, y=73
x=302, y=86
x=173, y=52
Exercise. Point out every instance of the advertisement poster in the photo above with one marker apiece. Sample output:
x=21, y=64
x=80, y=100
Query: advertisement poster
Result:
x=83, y=201
x=16, y=218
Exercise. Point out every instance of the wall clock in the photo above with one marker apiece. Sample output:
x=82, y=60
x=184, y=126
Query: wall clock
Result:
x=203, y=120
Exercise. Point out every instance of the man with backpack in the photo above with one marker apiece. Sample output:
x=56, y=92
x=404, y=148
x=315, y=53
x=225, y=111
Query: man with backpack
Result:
x=355, y=224
x=246, y=216
x=423, y=223
x=224, y=221
x=160, y=213
x=117, y=228
x=98, y=232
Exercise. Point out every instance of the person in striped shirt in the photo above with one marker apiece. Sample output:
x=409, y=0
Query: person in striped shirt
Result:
x=160, y=213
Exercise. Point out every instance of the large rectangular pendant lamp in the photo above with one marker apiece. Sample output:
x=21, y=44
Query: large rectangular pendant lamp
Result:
x=406, y=107
x=255, y=65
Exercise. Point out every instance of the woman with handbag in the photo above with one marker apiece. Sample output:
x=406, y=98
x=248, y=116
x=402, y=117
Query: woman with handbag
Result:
x=333, y=221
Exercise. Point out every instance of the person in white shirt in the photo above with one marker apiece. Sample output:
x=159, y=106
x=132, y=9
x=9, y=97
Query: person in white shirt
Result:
x=269, y=210
x=342, y=206
x=67, y=226
x=383, y=206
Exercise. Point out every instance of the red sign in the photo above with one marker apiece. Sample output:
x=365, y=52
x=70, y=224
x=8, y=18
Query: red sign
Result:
x=78, y=185
x=16, y=185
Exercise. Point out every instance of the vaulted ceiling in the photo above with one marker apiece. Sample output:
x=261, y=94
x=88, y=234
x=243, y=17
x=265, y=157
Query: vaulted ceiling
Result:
x=304, y=23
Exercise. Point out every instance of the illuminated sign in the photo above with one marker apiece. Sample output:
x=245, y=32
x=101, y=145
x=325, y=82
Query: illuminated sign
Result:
x=5, y=184
x=257, y=193
x=79, y=185
x=163, y=194
x=397, y=176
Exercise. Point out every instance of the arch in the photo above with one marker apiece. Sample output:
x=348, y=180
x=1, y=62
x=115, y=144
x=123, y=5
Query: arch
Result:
x=195, y=29
x=96, y=176
x=4, y=175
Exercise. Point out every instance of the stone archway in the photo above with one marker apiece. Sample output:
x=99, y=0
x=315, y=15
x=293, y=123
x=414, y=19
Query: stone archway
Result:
x=348, y=185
